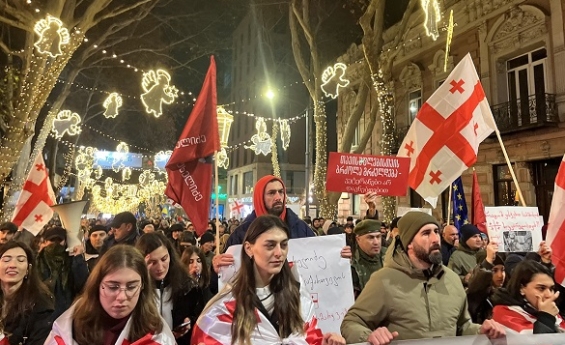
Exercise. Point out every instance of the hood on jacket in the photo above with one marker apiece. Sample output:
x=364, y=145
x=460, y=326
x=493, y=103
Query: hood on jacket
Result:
x=398, y=259
x=259, y=192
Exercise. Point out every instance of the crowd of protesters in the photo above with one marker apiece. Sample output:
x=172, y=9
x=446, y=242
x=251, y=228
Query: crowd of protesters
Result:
x=155, y=281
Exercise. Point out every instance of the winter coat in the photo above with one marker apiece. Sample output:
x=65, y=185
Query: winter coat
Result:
x=110, y=241
x=446, y=251
x=33, y=326
x=462, y=261
x=520, y=317
x=362, y=266
x=413, y=302
x=62, y=333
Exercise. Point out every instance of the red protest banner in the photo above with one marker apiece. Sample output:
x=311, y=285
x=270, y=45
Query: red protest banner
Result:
x=359, y=174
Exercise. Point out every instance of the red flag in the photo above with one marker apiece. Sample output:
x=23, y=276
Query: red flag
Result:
x=444, y=138
x=190, y=167
x=32, y=208
x=556, y=225
x=479, y=217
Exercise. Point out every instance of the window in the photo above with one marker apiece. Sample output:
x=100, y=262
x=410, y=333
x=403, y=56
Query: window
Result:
x=504, y=188
x=248, y=182
x=414, y=104
x=356, y=138
x=234, y=189
x=356, y=206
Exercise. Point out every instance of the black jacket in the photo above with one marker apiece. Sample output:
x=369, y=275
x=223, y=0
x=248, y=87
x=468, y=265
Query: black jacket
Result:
x=110, y=241
x=446, y=251
x=34, y=327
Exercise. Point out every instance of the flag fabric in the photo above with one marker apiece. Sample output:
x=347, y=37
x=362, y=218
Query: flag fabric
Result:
x=478, y=208
x=444, y=138
x=460, y=214
x=556, y=225
x=33, y=209
x=190, y=168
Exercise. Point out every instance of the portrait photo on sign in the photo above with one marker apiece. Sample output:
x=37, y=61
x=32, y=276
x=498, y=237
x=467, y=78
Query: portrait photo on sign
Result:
x=517, y=241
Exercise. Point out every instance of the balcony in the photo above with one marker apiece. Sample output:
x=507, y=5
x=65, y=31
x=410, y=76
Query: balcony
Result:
x=539, y=111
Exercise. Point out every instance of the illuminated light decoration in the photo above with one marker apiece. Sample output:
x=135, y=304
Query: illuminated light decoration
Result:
x=333, y=79
x=90, y=183
x=161, y=156
x=52, y=36
x=146, y=178
x=285, y=133
x=448, y=40
x=98, y=172
x=121, y=154
x=157, y=88
x=223, y=159
x=126, y=174
x=433, y=17
x=112, y=105
x=261, y=142
x=66, y=122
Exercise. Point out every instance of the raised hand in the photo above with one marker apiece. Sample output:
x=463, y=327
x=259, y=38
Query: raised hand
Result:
x=381, y=336
x=548, y=304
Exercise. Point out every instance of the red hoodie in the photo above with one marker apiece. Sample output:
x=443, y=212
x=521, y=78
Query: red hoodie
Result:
x=259, y=194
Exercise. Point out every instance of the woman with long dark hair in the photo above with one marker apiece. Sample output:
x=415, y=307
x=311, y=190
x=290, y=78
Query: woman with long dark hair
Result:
x=26, y=303
x=527, y=305
x=266, y=303
x=116, y=307
x=194, y=261
x=178, y=298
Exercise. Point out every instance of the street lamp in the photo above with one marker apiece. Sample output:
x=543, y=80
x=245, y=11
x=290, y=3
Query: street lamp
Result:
x=270, y=94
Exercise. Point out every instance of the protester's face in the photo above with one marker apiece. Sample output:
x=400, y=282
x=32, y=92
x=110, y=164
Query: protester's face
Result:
x=209, y=227
x=274, y=198
x=97, y=239
x=425, y=245
x=383, y=230
x=158, y=263
x=207, y=247
x=195, y=265
x=540, y=285
x=370, y=243
x=348, y=229
x=498, y=275
x=269, y=253
x=450, y=234
x=316, y=223
x=176, y=234
x=13, y=266
x=122, y=231
x=148, y=228
x=119, y=292
x=190, y=228
x=222, y=229
x=475, y=242
x=5, y=236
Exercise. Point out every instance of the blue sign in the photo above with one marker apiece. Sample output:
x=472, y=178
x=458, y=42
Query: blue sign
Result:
x=115, y=160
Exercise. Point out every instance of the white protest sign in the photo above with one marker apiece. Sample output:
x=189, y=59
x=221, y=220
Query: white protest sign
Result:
x=403, y=210
x=324, y=273
x=516, y=229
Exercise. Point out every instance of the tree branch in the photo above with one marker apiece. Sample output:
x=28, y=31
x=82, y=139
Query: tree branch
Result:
x=297, y=52
x=368, y=130
x=120, y=11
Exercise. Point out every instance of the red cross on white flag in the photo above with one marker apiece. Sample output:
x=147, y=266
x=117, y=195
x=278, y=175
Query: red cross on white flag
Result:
x=236, y=208
x=556, y=225
x=444, y=138
x=32, y=208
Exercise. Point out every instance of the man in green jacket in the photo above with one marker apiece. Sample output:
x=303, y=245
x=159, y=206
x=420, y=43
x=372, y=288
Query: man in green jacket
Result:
x=464, y=259
x=370, y=253
x=414, y=296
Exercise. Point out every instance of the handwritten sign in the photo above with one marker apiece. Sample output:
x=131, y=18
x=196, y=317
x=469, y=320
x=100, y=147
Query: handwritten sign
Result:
x=323, y=271
x=359, y=174
x=516, y=229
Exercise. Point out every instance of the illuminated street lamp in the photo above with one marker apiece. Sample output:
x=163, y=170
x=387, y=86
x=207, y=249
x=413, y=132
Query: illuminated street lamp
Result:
x=225, y=120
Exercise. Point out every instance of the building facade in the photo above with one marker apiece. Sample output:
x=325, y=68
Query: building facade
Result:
x=263, y=62
x=518, y=48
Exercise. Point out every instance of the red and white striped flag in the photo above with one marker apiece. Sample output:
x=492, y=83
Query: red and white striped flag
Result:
x=32, y=208
x=444, y=138
x=556, y=225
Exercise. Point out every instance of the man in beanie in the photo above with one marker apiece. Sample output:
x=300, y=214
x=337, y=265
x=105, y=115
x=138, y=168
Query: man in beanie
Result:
x=96, y=236
x=369, y=256
x=414, y=296
x=464, y=259
x=7, y=231
x=207, y=244
x=124, y=231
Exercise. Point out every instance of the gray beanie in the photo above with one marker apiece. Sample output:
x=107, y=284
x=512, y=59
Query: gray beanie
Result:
x=411, y=223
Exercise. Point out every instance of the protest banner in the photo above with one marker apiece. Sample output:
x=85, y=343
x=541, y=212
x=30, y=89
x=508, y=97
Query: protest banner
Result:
x=516, y=229
x=403, y=210
x=359, y=174
x=326, y=275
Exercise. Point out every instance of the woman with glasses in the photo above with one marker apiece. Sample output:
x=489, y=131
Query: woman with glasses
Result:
x=116, y=307
x=27, y=305
x=266, y=302
x=178, y=298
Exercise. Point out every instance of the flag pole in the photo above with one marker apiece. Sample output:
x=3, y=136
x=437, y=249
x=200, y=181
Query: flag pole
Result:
x=518, y=190
x=449, y=203
x=217, y=189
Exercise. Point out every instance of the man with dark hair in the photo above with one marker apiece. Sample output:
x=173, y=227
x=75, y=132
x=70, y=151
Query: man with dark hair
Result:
x=370, y=253
x=124, y=231
x=414, y=296
x=7, y=231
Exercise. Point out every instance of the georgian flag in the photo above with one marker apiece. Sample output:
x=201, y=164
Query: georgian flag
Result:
x=555, y=237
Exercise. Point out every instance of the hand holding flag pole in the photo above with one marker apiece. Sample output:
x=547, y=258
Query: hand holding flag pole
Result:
x=518, y=189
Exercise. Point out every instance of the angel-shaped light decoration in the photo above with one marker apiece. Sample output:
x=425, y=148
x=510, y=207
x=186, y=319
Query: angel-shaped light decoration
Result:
x=262, y=140
x=52, y=36
x=109, y=186
x=98, y=172
x=84, y=162
x=126, y=174
x=146, y=178
x=112, y=105
x=285, y=133
x=66, y=122
x=223, y=159
x=333, y=79
x=161, y=158
x=120, y=156
x=433, y=17
x=157, y=88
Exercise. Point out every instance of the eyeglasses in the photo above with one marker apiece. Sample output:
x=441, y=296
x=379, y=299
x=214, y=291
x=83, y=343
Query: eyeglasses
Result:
x=113, y=290
x=8, y=258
